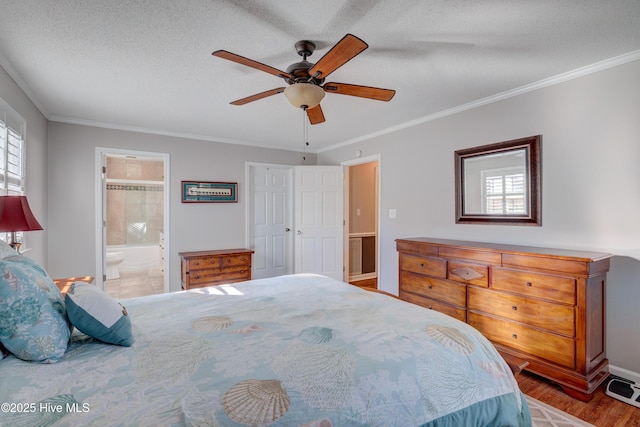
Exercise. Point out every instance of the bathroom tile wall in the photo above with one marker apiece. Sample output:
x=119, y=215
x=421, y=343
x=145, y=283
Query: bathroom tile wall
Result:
x=137, y=169
x=134, y=209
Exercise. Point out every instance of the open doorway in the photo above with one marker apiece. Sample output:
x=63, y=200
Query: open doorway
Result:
x=361, y=219
x=132, y=228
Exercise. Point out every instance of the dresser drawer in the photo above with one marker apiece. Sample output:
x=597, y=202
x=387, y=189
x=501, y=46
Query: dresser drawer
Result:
x=235, y=274
x=235, y=260
x=435, y=267
x=554, y=348
x=475, y=274
x=450, y=310
x=489, y=257
x=555, y=318
x=552, y=288
x=203, y=262
x=438, y=289
x=203, y=276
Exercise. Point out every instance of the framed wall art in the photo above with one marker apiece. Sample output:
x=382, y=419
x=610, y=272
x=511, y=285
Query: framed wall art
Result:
x=209, y=192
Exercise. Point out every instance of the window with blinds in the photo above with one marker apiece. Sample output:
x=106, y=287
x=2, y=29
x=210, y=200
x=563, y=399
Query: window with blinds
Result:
x=12, y=158
x=504, y=191
x=11, y=151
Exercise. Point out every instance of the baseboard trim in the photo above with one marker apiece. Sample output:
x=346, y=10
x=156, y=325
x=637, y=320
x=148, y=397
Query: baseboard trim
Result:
x=624, y=373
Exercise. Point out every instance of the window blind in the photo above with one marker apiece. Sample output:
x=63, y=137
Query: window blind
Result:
x=12, y=129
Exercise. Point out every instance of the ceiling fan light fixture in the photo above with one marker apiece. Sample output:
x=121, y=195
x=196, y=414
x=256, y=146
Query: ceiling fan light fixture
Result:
x=304, y=95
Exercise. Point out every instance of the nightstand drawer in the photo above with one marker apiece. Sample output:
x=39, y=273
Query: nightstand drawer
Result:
x=438, y=289
x=555, y=318
x=424, y=265
x=545, y=286
x=554, y=348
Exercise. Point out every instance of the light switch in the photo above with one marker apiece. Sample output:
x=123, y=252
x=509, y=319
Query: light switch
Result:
x=392, y=213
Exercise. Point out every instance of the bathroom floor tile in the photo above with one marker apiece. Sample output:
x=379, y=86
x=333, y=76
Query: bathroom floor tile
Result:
x=135, y=284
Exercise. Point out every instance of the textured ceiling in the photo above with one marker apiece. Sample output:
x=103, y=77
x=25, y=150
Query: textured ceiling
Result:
x=147, y=65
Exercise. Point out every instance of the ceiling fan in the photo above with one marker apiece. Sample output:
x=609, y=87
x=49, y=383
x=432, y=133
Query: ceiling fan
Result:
x=306, y=79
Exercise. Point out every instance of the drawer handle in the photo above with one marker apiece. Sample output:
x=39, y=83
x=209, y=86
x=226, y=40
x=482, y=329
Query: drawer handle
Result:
x=430, y=308
x=515, y=336
x=212, y=262
x=529, y=284
x=430, y=286
x=467, y=273
x=196, y=263
x=514, y=307
x=422, y=265
x=196, y=277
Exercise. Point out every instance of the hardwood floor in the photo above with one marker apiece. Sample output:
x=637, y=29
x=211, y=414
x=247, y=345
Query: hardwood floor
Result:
x=366, y=283
x=601, y=411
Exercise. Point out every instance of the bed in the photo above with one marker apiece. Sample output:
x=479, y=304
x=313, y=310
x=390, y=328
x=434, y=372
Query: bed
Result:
x=298, y=350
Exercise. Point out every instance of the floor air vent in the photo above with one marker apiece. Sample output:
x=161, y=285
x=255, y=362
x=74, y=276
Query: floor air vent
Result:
x=624, y=389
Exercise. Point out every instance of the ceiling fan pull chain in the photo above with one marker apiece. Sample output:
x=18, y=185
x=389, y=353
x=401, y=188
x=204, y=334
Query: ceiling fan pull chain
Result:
x=305, y=133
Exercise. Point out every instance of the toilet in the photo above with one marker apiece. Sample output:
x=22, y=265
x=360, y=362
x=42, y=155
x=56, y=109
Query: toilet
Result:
x=113, y=259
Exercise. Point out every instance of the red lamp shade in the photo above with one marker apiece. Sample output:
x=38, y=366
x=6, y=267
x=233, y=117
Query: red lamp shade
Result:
x=16, y=215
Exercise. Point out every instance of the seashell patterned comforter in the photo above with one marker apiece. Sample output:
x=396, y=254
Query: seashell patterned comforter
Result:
x=299, y=350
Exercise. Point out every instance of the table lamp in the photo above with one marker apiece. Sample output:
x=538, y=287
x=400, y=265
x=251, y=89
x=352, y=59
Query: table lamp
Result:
x=16, y=215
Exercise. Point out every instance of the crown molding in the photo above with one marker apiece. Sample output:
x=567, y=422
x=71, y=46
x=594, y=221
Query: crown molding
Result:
x=551, y=81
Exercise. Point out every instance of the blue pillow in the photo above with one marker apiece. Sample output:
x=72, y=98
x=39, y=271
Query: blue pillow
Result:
x=33, y=321
x=93, y=312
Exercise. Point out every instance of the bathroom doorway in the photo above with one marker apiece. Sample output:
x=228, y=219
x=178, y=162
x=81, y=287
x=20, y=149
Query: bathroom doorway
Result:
x=132, y=229
x=361, y=215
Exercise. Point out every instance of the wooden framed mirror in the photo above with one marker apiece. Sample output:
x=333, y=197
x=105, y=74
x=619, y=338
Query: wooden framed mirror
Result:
x=500, y=183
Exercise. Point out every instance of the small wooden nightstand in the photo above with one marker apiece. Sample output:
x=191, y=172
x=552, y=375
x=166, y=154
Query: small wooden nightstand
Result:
x=65, y=284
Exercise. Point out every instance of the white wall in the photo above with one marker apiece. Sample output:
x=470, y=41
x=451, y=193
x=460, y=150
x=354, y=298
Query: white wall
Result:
x=36, y=168
x=201, y=226
x=590, y=129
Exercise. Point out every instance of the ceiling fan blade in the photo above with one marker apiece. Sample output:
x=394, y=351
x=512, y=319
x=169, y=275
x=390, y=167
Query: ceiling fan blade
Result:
x=361, y=91
x=257, y=96
x=315, y=115
x=250, y=63
x=347, y=48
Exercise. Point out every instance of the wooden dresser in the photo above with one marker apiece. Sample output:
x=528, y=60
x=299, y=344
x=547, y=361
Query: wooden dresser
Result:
x=537, y=305
x=207, y=268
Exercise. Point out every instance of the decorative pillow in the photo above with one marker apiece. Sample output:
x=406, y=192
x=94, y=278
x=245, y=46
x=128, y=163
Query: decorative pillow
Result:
x=6, y=250
x=3, y=352
x=33, y=322
x=93, y=312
